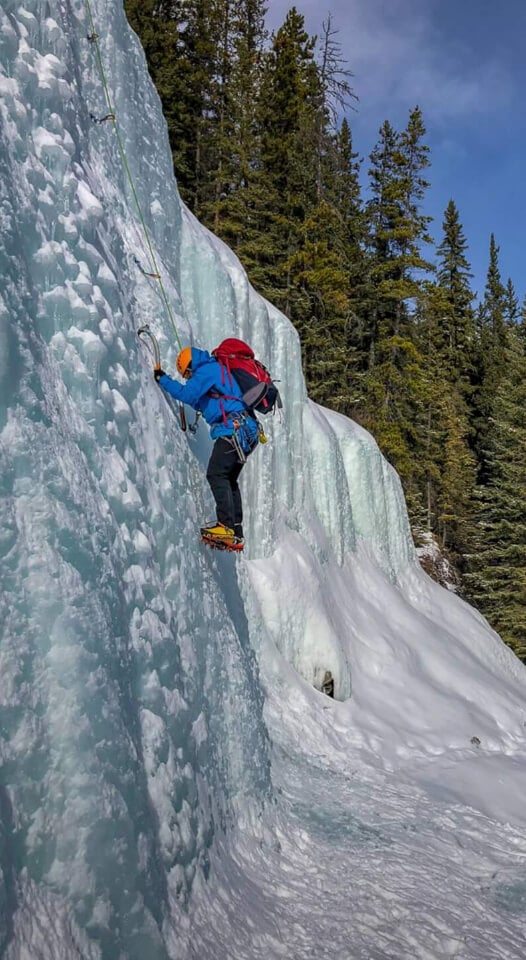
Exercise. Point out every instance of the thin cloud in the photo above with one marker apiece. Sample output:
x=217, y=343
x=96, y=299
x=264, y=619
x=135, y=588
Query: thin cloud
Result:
x=404, y=58
x=400, y=56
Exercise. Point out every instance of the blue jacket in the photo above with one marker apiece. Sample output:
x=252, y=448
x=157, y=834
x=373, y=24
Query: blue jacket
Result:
x=206, y=375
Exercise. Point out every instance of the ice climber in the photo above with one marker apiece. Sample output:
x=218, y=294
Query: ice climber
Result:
x=234, y=429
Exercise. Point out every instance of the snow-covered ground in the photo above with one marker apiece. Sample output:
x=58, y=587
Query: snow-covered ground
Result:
x=173, y=784
x=369, y=864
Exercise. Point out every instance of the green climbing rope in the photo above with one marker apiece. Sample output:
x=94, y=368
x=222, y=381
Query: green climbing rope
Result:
x=112, y=116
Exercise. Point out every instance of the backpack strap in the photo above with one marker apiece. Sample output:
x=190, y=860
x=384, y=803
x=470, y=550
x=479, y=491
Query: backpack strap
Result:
x=225, y=366
x=217, y=394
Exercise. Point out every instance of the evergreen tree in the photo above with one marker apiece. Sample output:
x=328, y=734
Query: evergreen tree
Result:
x=314, y=178
x=412, y=232
x=233, y=191
x=383, y=212
x=511, y=305
x=490, y=359
x=493, y=314
x=455, y=501
x=396, y=382
x=181, y=39
x=291, y=97
x=447, y=338
x=319, y=272
x=344, y=194
x=522, y=321
x=497, y=577
x=343, y=185
x=456, y=343
x=445, y=464
x=328, y=267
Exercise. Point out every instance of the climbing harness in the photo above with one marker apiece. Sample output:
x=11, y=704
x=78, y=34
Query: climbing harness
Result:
x=149, y=341
x=241, y=442
x=93, y=39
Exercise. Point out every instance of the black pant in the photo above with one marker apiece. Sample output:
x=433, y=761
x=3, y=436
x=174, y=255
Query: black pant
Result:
x=222, y=474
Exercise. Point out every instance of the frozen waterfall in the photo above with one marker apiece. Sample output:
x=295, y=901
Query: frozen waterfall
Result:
x=172, y=782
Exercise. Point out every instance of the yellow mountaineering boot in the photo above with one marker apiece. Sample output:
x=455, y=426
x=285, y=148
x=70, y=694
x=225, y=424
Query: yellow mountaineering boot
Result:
x=218, y=530
x=223, y=537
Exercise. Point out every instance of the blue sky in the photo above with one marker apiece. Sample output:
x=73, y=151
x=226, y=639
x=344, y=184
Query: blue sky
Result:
x=464, y=63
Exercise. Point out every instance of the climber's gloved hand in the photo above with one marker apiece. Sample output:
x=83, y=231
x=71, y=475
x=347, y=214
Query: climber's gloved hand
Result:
x=158, y=373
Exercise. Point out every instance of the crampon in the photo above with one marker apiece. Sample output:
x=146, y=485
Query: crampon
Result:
x=232, y=546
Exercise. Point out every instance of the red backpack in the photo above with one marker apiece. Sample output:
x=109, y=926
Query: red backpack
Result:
x=237, y=360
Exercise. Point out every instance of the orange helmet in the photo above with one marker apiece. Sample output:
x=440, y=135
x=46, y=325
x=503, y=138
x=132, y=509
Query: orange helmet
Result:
x=184, y=360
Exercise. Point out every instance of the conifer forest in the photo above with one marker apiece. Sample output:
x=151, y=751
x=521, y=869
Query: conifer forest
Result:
x=392, y=334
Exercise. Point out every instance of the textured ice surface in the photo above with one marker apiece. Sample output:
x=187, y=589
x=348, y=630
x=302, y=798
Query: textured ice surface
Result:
x=172, y=785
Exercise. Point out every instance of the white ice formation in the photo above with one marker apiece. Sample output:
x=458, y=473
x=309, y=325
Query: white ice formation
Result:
x=172, y=782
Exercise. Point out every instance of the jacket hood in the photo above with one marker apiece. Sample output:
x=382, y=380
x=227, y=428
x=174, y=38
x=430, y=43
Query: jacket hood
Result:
x=200, y=357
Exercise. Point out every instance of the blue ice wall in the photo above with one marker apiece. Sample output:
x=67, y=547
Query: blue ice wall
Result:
x=131, y=712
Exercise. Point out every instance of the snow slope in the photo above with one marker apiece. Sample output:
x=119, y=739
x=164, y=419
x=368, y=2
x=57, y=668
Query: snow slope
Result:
x=172, y=784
